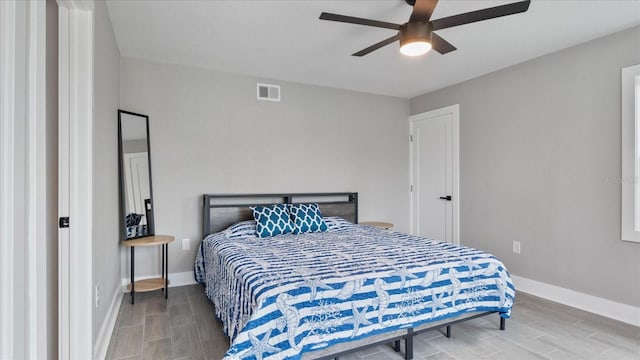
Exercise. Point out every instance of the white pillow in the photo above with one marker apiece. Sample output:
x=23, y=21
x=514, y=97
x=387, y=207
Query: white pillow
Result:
x=335, y=223
x=241, y=229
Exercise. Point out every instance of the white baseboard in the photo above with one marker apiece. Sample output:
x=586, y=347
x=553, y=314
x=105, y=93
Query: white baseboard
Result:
x=106, y=330
x=608, y=308
x=175, y=279
x=182, y=278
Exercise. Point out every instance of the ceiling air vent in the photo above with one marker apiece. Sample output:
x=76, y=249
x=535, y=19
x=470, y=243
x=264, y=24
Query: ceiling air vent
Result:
x=268, y=92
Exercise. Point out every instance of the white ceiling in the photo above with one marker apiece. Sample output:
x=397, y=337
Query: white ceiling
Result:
x=285, y=40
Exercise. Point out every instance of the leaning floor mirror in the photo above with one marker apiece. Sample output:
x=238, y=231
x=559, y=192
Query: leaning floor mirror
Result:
x=136, y=198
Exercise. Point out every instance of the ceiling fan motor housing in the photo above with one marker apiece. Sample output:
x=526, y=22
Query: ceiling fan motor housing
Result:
x=415, y=31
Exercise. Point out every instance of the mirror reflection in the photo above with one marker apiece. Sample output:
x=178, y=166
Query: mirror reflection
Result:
x=135, y=158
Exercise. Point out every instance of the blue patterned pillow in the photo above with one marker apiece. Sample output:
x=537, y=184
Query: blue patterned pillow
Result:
x=241, y=229
x=307, y=218
x=272, y=220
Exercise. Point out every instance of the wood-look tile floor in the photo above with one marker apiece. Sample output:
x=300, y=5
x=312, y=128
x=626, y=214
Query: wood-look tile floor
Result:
x=185, y=327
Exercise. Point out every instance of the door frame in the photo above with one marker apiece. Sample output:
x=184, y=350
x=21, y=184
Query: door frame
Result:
x=75, y=183
x=23, y=188
x=454, y=110
x=8, y=30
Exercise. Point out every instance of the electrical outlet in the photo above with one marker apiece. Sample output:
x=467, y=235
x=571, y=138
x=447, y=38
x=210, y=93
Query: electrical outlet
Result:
x=186, y=244
x=97, y=295
x=516, y=247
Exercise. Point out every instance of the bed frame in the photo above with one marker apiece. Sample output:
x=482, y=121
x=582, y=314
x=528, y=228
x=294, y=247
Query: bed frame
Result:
x=222, y=210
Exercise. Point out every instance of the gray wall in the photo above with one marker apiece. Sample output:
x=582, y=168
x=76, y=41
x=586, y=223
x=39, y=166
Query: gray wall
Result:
x=106, y=227
x=539, y=154
x=209, y=134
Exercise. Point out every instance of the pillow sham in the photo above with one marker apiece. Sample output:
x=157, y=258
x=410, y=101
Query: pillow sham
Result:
x=335, y=223
x=241, y=229
x=307, y=218
x=272, y=220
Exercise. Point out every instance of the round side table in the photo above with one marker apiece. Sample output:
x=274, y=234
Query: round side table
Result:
x=155, y=283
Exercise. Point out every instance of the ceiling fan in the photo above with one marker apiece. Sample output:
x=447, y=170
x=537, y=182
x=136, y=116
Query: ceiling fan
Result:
x=417, y=35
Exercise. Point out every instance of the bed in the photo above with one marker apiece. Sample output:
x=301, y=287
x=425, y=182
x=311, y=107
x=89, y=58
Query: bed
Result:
x=323, y=294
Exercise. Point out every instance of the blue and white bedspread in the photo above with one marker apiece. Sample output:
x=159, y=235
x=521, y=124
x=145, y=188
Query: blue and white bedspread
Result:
x=282, y=296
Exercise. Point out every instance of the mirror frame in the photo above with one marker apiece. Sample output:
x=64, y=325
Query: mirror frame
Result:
x=123, y=196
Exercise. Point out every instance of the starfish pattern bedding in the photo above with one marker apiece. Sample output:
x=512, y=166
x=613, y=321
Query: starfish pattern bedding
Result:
x=283, y=296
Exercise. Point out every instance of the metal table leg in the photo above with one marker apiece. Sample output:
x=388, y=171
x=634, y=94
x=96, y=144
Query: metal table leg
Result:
x=133, y=284
x=162, y=246
x=166, y=269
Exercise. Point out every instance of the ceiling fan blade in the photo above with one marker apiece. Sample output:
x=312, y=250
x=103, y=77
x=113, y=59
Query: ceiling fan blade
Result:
x=376, y=46
x=479, y=15
x=441, y=45
x=422, y=10
x=358, y=21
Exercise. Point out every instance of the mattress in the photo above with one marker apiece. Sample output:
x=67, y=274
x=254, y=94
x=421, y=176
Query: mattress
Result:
x=283, y=296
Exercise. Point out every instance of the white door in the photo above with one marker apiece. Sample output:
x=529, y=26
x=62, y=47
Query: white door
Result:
x=434, y=172
x=136, y=172
x=75, y=179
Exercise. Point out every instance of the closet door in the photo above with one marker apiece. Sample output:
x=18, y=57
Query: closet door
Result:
x=434, y=169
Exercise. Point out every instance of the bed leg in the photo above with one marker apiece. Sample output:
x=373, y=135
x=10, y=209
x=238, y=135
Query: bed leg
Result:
x=408, y=345
x=449, y=331
x=396, y=346
x=503, y=322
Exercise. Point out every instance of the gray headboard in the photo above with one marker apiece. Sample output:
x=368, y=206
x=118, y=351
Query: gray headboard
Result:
x=221, y=210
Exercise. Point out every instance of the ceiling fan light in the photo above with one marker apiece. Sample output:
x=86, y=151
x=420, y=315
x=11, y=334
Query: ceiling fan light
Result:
x=415, y=48
x=415, y=38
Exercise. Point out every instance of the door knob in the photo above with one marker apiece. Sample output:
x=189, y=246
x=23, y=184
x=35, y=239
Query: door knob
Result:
x=448, y=197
